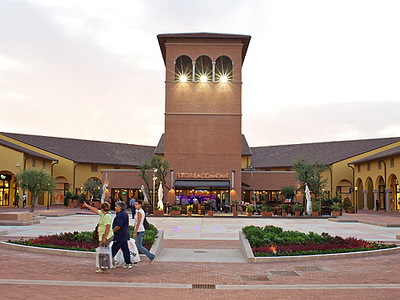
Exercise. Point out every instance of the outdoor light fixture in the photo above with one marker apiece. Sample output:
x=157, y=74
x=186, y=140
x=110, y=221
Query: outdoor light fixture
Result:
x=203, y=78
x=183, y=78
x=223, y=79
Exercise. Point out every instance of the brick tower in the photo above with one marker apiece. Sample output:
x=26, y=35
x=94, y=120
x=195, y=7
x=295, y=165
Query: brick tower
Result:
x=203, y=109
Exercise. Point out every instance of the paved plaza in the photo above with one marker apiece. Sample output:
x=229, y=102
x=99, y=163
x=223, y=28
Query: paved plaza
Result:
x=198, y=261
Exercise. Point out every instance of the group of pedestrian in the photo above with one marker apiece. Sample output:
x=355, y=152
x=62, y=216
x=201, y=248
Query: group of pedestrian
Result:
x=117, y=230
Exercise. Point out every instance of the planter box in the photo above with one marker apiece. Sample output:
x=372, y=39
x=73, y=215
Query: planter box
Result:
x=315, y=213
x=175, y=213
x=75, y=203
x=297, y=213
x=284, y=214
x=335, y=213
x=210, y=213
x=235, y=213
x=189, y=213
x=249, y=214
x=266, y=213
x=158, y=212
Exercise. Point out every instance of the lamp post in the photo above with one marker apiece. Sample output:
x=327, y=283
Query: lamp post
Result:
x=154, y=186
x=355, y=188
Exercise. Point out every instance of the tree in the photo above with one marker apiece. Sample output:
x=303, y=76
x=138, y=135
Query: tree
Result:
x=288, y=191
x=36, y=181
x=310, y=173
x=147, y=170
x=93, y=187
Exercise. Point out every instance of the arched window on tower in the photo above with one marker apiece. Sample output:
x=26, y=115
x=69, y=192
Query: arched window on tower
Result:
x=223, y=69
x=183, y=69
x=203, y=69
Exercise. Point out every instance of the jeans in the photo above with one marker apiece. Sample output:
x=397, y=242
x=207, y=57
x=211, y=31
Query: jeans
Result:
x=125, y=250
x=139, y=245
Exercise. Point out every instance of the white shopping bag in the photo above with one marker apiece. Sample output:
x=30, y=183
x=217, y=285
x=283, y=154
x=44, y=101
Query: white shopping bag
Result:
x=104, y=258
x=119, y=257
x=133, y=250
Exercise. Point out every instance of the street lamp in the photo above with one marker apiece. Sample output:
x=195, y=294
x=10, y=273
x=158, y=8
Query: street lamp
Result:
x=154, y=186
x=355, y=188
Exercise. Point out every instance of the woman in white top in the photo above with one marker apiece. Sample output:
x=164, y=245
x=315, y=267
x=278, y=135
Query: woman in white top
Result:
x=139, y=230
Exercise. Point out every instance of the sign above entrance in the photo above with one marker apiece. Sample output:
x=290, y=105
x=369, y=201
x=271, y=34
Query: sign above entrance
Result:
x=202, y=175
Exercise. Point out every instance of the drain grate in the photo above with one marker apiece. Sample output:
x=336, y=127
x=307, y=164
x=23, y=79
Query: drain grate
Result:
x=199, y=251
x=284, y=273
x=203, y=286
x=308, y=268
x=254, y=278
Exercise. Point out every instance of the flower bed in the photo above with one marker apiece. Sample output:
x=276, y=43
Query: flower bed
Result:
x=80, y=241
x=274, y=241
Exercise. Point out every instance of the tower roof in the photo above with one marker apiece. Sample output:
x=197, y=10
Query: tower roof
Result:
x=162, y=38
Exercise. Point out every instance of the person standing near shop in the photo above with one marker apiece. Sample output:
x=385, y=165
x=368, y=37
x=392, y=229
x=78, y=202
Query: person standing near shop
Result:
x=139, y=230
x=24, y=200
x=132, y=204
x=121, y=233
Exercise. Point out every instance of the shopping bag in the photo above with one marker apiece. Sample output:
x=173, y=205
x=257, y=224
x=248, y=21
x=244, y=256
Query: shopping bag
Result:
x=134, y=251
x=104, y=258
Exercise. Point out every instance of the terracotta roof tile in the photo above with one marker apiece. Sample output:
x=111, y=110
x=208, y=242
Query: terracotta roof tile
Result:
x=86, y=151
x=326, y=152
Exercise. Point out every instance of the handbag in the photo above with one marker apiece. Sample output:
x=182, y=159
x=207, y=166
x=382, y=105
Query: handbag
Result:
x=146, y=224
x=95, y=233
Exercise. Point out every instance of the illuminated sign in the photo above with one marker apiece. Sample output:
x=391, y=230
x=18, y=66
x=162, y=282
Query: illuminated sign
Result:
x=3, y=177
x=203, y=175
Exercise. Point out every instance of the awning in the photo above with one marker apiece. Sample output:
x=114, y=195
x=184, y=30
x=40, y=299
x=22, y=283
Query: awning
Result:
x=206, y=184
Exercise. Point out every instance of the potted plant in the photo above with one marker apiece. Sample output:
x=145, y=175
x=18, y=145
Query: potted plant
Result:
x=235, y=212
x=175, y=210
x=249, y=210
x=189, y=209
x=283, y=207
x=210, y=213
x=347, y=204
x=315, y=207
x=266, y=211
x=68, y=199
x=158, y=212
x=297, y=208
x=75, y=201
x=336, y=208
x=351, y=210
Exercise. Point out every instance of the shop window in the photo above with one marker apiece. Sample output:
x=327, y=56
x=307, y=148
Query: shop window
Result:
x=223, y=69
x=203, y=69
x=183, y=69
x=93, y=169
x=379, y=165
x=358, y=168
x=368, y=166
x=392, y=162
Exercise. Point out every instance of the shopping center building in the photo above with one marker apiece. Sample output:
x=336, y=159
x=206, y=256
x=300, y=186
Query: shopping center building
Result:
x=203, y=143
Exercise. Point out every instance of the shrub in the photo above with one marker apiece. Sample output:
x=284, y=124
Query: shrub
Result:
x=190, y=208
x=336, y=206
x=315, y=206
x=249, y=209
x=175, y=208
x=347, y=203
x=283, y=207
x=297, y=207
x=267, y=208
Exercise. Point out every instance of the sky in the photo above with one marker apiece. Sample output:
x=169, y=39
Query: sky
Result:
x=314, y=71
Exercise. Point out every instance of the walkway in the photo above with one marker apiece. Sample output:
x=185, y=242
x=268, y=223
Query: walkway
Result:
x=175, y=275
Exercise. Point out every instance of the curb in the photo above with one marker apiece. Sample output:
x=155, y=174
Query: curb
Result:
x=249, y=256
x=156, y=249
x=3, y=232
x=365, y=222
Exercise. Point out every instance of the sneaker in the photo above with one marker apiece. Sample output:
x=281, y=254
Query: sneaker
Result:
x=128, y=266
x=100, y=271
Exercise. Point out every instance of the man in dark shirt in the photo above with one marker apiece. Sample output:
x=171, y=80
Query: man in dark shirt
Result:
x=121, y=233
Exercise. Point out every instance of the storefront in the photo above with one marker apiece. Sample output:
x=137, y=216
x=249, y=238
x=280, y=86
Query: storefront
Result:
x=6, y=190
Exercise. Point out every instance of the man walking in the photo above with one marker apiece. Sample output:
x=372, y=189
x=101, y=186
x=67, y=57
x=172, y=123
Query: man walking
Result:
x=132, y=204
x=121, y=233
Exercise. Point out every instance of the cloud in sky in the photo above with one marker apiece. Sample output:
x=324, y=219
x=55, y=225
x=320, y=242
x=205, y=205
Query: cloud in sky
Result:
x=314, y=71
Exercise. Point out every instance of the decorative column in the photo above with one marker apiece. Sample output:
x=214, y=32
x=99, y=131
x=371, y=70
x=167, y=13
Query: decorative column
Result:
x=213, y=71
x=194, y=71
x=375, y=198
x=387, y=197
x=365, y=192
